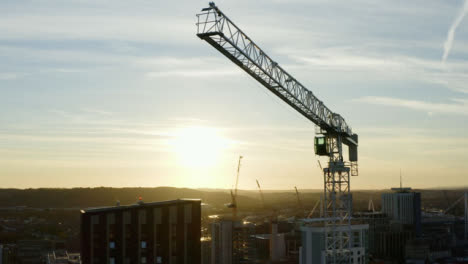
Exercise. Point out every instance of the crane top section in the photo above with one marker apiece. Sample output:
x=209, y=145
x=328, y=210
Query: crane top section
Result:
x=219, y=31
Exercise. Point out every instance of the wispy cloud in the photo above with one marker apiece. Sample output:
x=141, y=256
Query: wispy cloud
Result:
x=458, y=106
x=186, y=67
x=95, y=27
x=191, y=73
x=96, y=111
x=451, y=33
x=8, y=76
x=379, y=66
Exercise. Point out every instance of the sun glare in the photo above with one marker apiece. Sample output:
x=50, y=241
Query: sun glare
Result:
x=198, y=147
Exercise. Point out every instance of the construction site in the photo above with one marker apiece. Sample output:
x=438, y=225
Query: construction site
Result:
x=399, y=232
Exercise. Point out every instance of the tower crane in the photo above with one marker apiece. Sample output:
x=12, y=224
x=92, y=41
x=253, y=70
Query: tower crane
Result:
x=311, y=213
x=464, y=198
x=333, y=132
x=261, y=194
x=299, y=202
x=450, y=207
x=233, y=204
x=370, y=205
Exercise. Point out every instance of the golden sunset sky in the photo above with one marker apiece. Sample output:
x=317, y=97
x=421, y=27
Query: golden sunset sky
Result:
x=123, y=93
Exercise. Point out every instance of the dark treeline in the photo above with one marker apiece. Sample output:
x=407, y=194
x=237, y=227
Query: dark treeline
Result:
x=101, y=196
x=247, y=200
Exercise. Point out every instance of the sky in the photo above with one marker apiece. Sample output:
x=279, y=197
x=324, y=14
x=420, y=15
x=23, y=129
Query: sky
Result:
x=123, y=93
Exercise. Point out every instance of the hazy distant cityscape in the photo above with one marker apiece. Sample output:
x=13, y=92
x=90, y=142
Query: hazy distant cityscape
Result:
x=36, y=223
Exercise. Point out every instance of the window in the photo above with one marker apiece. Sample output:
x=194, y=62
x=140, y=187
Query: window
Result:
x=173, y=231
x=112, y=244
x=143, y=244
x=112, y=260
x=143, y=260
x=158, y=259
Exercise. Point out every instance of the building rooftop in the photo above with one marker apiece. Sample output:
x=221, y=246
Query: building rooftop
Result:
x=63, y=257
x=136, y=205
x=353, y=227
x=402, y=189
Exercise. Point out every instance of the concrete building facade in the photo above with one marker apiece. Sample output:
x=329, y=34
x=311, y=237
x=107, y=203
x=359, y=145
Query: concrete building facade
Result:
x=221, y=242
x=232, y=242
x=313, y=244
x=403, y=207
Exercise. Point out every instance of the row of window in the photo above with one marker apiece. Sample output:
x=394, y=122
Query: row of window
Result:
x=143, y=260
x=143, y=244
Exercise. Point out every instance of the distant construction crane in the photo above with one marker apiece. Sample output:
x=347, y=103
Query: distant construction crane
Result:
x=450, y=207
x=261, y=194
x=299, y=202
x=318, y=203
x=219, y=31
x=233, y=204
x=446, y=198
x=370, y=206
x=464, y=198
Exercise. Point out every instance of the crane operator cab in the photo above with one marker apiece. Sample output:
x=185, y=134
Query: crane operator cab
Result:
x=321, y=146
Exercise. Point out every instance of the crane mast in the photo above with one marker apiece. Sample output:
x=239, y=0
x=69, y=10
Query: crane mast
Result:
x=233, y=204
x=219, y=31
x=261, y=194
x=299, y=202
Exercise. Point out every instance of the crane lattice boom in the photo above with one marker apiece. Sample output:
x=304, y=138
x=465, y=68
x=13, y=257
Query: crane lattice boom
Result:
x=261, y=194
x=233, y=203
x=218, y=30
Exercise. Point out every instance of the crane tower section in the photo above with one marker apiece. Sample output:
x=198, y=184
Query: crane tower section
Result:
x=219, y=31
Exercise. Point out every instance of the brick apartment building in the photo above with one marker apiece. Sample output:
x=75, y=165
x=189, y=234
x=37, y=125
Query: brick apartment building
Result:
x=159, y=232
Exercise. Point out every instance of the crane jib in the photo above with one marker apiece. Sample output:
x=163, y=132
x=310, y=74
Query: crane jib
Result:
x=215, y=28
x=284, y=94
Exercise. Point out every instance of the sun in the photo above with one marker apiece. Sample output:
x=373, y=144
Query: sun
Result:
x=198, y=147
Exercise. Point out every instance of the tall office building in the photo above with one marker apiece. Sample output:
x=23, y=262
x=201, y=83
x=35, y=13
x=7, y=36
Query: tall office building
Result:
x=222, y=242
x=378, y=222
x=159, y=232
x=403, y=207
x=232, y=242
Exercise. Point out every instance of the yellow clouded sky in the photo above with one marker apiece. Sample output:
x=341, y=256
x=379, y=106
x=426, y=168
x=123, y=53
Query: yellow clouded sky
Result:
x=125, y=94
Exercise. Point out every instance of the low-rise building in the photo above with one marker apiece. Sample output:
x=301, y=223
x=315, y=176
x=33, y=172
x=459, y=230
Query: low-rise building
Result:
x=63, y=257
x=313, y=244
x=35, y=251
